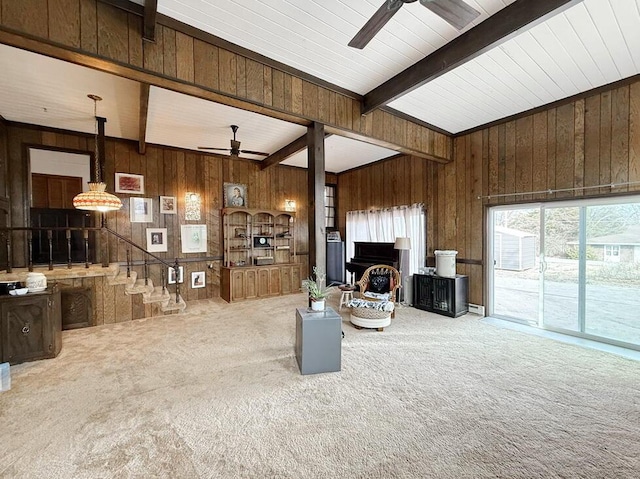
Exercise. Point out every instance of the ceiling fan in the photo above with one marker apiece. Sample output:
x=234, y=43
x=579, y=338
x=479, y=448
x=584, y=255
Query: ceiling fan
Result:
x=456, y=12
x=235, y=146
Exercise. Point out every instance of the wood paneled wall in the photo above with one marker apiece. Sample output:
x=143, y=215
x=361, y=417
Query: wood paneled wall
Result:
x=182, y=60
x=587, y=142
x=167, y=172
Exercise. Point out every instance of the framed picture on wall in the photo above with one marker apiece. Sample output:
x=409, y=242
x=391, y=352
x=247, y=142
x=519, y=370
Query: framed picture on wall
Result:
x=129, y=183
x=168, y=205
x=197, y=279
x=171, y=275
x=235, y=194
x=157, y=240
x=141, y=210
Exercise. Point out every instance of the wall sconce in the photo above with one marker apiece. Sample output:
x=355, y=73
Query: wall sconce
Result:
x=192, y=206
x=289, y=205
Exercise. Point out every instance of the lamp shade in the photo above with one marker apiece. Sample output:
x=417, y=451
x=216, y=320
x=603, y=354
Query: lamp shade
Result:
x=96, y=199
x=402, y=243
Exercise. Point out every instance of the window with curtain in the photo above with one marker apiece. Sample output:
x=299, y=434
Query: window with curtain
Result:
x=385, y=225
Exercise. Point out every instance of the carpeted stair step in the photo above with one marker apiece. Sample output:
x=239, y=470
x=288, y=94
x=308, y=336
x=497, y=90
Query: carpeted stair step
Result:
x=158, y=295
x=121, y=278
x=139, y=287
x=172, y=305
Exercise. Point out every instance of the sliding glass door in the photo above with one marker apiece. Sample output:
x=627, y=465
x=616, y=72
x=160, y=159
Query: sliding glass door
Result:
x=585, y=278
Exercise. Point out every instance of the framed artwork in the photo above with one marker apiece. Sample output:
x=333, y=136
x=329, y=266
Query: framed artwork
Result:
x=129, y=183
x=141, y=210
x=157, y=240
x=197, y=279
x=235, y=194
x=171, y=275
x=193, y=238
x=168, y=205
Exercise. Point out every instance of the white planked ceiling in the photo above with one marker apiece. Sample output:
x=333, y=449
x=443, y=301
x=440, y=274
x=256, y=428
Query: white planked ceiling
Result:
x=42, y=91
x=591, y=44
x=312, y=35
x=38, y=90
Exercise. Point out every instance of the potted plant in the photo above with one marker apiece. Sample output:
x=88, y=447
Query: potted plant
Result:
x=315, y=286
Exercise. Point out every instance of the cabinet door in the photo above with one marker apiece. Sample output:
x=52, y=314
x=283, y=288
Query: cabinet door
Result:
x=296, y=275
x=238, y=290
x=443, y=296
x=263, y=282
x=274, y=281
x=26, y=334
x=423, y=292
x=285, y=279
x=251, y=278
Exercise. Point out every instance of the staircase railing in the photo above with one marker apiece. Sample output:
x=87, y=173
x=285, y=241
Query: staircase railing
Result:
x=6, y=233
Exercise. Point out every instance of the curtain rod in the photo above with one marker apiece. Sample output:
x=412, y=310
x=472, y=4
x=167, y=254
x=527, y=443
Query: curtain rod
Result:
x=550, y=191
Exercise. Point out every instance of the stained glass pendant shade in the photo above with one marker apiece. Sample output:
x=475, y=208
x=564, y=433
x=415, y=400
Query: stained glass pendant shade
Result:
x=96, y=199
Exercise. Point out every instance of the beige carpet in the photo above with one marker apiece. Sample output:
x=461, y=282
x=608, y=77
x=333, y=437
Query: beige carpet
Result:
x=216, y=392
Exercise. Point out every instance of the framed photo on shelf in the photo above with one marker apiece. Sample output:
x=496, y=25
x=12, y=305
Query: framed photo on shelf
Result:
x=129, y=183
x=197, y=279
x=168, y=205
x=235, y=194
x=141, y=210
x=157, y=240
x=171, y=275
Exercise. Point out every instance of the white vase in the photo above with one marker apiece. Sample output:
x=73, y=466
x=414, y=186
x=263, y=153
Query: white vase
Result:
x=317, y=304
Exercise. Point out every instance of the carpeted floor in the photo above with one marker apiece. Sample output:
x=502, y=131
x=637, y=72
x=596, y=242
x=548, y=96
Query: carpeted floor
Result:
x=216, y=392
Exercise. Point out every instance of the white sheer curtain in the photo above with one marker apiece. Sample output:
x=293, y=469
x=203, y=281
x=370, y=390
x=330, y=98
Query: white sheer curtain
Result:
x=386, y=225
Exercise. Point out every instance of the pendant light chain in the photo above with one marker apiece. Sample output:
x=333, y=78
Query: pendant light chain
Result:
x=96, y=155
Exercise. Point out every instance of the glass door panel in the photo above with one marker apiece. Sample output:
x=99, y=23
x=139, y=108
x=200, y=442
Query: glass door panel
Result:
x=516, y=285
x=561, y=268
x=613, y=272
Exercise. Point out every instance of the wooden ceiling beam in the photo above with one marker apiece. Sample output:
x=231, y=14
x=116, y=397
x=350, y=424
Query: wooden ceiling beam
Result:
x=512, y=20
x=150, y=12
x=144, y=112
x=286, y=151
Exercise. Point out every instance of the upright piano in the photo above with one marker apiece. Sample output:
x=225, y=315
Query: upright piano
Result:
x=368, y=253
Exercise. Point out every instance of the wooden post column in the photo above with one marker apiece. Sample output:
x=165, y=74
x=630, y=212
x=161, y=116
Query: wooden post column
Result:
x=316, y=180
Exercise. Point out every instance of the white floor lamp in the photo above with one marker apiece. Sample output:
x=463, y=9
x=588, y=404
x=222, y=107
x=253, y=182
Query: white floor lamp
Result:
x=402, y=245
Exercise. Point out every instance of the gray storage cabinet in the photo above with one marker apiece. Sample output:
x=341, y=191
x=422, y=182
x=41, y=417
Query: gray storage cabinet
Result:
x=318, y=340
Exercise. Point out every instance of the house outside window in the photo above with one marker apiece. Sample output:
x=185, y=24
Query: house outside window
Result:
x=612, y=253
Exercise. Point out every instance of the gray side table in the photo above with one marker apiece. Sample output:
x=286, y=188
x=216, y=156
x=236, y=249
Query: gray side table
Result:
x=318, y=340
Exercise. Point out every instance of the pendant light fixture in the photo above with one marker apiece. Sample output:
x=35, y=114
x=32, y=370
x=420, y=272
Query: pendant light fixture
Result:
x=96, y=199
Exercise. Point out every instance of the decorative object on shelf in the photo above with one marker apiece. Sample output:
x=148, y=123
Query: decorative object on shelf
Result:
x=171, y=275
x=7, y=286
x=36, y=282
x=289, y=205
x=235, y=194
x=315, y=286
x=241, y=232
x=157, y=240
x=141, y=210
x=192, y=203
x=97, y=199
x=261, y=242
x=197, y=279
x=193, y=238
x=19, y=292
x=168, y=205
x=129, y=183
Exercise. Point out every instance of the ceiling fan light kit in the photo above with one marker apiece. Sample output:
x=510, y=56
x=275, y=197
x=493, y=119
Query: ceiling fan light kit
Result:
x=235, y=150
x=455, y=12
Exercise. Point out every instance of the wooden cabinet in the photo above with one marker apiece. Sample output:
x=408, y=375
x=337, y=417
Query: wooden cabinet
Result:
x=54, y=191
x=447, y=296
x=258, y=237
x=30, y=326
x=259, y=254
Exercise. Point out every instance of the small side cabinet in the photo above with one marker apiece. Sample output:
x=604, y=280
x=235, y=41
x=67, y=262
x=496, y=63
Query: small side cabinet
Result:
x=437, y=294
x=30, y=326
